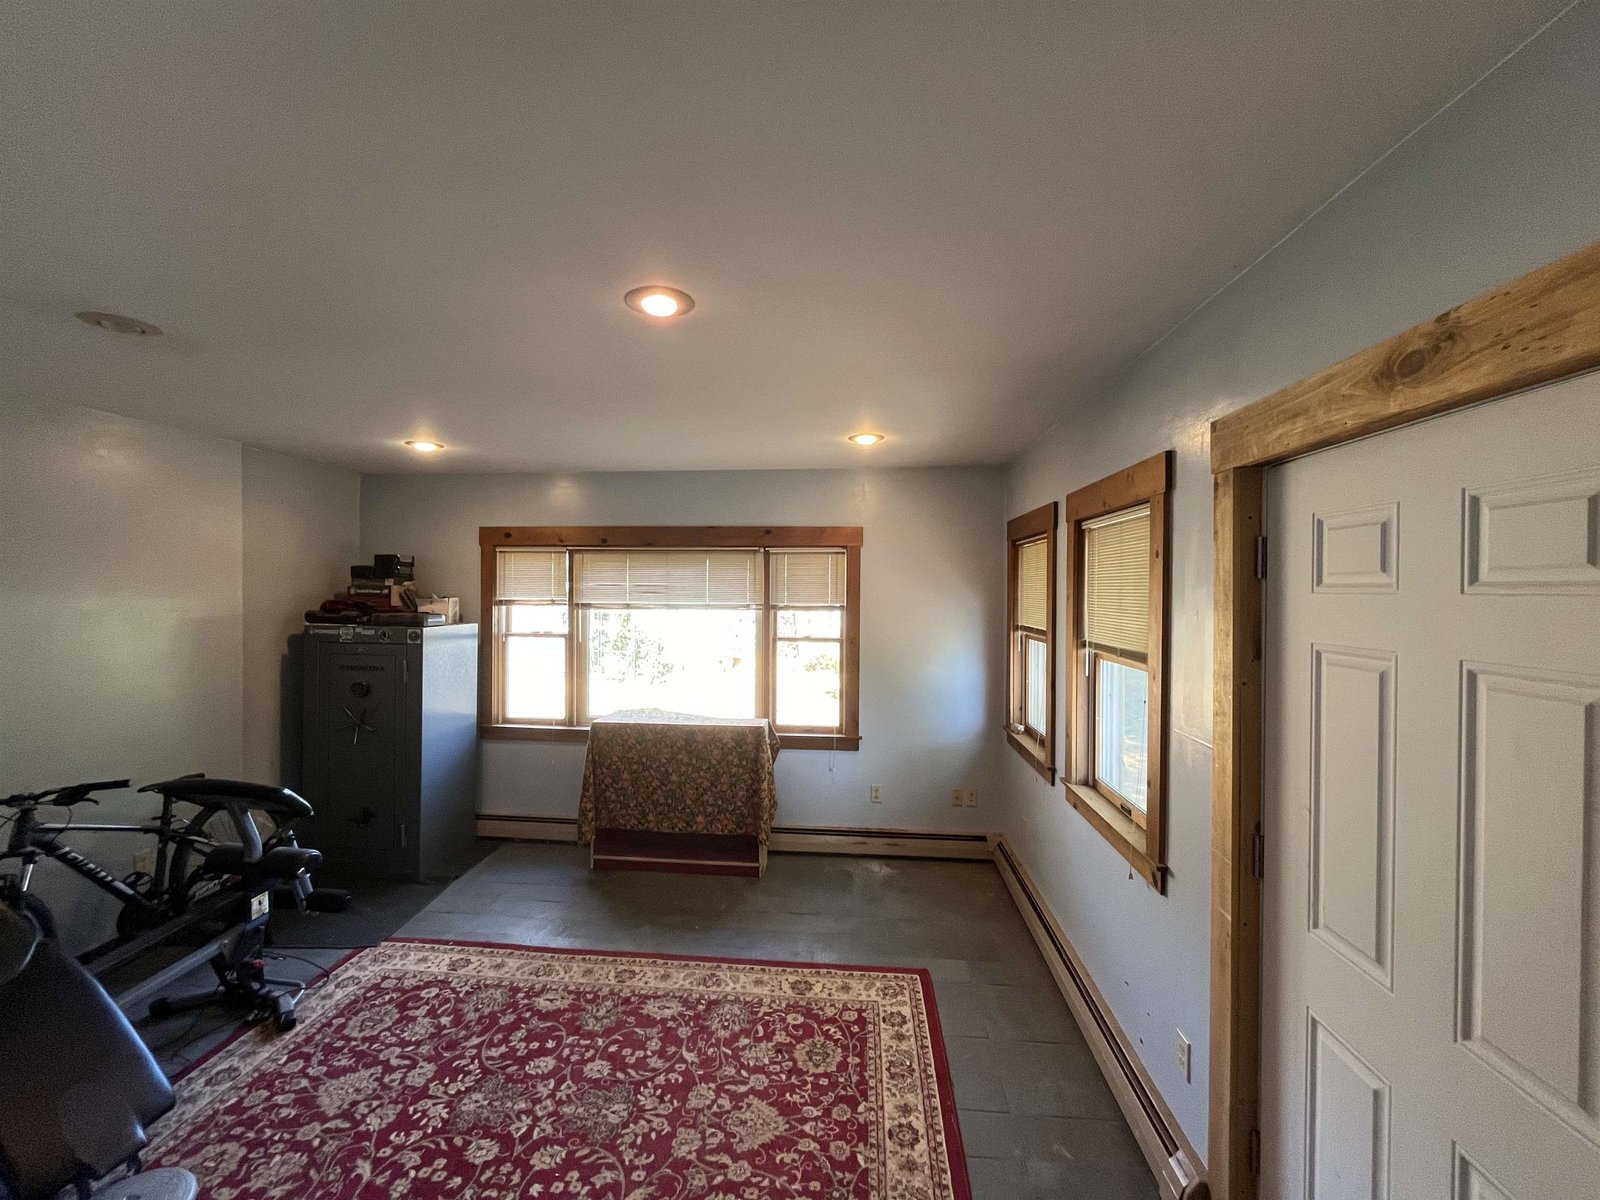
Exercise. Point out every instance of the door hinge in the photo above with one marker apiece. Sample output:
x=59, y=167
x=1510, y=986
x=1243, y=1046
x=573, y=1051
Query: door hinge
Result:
x=1261, y=558
x=1258, y=854
x=1255, y=1152
x=402, y=835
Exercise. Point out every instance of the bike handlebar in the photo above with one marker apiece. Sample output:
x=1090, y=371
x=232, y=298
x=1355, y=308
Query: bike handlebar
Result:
x=64, y=797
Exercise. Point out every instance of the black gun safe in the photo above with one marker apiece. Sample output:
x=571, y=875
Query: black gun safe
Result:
x=391, y=747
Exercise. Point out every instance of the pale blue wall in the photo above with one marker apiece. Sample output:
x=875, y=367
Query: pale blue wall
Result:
x=1506, y=179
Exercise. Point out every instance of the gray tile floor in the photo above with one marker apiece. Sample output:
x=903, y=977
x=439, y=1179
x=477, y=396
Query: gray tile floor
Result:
x=1036, y=1117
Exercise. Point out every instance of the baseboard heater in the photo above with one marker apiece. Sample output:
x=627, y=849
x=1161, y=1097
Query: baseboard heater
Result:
x=1171, y=1158
x=790, y=839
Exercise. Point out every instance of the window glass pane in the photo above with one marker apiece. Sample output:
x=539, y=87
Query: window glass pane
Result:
x=1122, y=730
x=536, y=618
x=1036, y=690
x=536, y=679
x=808, y=685
x=699, y=661
x=811, y=622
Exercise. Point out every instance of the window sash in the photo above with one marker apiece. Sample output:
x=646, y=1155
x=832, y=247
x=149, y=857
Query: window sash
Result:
x=1033, y=585
x=1116, y=583
x=667, y=578
x=1098, y=727
x=1034, y=664
x=806, y=578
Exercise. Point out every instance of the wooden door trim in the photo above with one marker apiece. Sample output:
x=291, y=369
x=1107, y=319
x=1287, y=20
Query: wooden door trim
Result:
x=1539, y=328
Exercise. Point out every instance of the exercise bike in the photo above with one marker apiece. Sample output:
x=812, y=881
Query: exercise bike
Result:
x=219, y=863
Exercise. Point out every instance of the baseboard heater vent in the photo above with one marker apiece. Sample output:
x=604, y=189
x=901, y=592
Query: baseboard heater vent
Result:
x=790, y=839
x=1171, y=1158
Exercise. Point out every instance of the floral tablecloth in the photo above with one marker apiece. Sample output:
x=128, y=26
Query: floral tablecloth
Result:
x=667, y=772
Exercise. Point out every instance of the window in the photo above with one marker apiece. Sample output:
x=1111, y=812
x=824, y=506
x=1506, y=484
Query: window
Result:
x=1118, y=531
x=1031, y=590
x=749, y=623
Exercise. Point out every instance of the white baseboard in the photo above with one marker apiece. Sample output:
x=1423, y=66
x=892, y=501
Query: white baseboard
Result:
x=879, y=843
x=785, y=839
x=1171, y=1157
x=527, y=829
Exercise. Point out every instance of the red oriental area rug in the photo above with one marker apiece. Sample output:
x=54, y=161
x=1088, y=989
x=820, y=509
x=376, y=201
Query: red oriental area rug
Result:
x=433, y=1069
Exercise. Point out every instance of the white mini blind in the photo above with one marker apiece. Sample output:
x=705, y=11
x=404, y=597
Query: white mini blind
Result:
x=1033, y=585
x=807, y=578
x=1116, y=594
x=533, y=575
x=667, y=578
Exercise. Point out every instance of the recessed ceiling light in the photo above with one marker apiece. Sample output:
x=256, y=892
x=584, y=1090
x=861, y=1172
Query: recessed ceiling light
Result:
x=117, y=323
x=865, y=439
x=657, y=301
x=422, y=446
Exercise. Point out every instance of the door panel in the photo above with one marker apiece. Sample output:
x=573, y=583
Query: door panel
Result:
x=1431, y=900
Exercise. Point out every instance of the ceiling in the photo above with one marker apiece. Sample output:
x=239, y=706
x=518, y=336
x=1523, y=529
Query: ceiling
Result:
x=363, y=222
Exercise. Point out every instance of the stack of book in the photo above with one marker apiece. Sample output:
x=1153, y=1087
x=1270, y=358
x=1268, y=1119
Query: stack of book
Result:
x=382, y=592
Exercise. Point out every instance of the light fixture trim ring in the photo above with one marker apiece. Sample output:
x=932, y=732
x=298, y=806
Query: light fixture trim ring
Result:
x=636, y=297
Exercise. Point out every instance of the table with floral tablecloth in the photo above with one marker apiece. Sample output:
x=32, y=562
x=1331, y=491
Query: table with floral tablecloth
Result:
x=665, y=772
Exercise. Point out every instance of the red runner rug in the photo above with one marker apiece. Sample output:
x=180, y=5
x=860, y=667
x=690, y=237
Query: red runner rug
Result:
x=434, y=1069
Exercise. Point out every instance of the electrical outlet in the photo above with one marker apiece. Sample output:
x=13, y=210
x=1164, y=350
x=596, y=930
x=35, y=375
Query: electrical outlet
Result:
x=875, y=793
x=1183, y=1056
x=145, y=861
x=969, y=798
x=955, y=798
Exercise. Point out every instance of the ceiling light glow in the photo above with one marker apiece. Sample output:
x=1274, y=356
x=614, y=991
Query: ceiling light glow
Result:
x=423, y=446
x=866, y=439
x=655, y=300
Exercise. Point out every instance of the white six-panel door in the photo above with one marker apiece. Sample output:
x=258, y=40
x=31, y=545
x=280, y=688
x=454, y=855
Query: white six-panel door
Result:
x=1431, y=903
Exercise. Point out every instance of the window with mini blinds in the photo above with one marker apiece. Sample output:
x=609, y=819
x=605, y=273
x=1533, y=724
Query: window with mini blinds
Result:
x=578, y=632
x=1031, y=722
x=1115, y=778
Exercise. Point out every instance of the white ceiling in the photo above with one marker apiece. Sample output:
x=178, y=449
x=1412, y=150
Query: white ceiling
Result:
x=360, y=222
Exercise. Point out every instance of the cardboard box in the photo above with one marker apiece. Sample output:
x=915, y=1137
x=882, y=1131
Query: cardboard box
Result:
x=450, y=606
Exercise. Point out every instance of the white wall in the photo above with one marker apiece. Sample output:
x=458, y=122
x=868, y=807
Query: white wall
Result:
x=120, y=584
x=931, y=672
x=1503, y=181
x=149, y=577
x=301, y=533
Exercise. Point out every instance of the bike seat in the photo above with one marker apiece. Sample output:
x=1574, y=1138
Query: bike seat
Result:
x=277, y=802
x=279, y=862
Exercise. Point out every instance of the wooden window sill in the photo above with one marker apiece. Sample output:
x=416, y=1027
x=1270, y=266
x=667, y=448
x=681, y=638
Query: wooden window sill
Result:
x=1033, y=754
x=580, y=733
x=1118, y=828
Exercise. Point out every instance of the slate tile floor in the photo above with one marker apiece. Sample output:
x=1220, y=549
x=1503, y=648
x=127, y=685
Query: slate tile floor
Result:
x=1036, y=1117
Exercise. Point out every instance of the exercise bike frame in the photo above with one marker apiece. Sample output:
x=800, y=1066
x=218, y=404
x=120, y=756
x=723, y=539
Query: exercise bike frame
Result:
x=177, y=839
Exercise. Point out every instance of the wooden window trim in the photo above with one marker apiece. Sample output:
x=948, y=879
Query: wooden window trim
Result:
x=1143, y=845
x=848, y=538
x=1040, y=754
